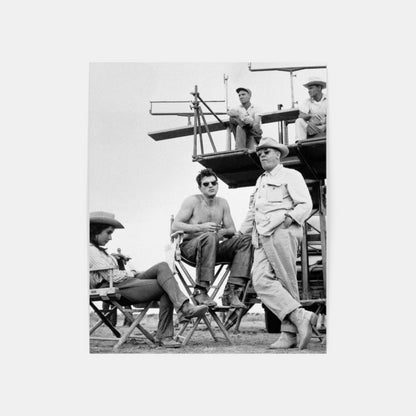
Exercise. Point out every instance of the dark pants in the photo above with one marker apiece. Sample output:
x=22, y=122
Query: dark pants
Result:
x=156, y=283
x=206, y=250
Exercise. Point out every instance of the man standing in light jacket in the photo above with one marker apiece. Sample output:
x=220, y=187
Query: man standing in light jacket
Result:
x=278, y=208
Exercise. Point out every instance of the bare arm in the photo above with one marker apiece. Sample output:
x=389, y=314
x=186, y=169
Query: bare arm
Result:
x=228, y=229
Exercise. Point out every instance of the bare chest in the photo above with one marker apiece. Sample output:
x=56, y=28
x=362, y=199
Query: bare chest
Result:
x=208, y=213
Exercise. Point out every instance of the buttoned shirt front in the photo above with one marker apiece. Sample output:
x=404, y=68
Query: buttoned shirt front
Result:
x=311, y=106
x=279, y=193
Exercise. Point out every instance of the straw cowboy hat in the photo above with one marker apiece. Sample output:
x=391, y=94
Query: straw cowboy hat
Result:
x=268, y=142
x=315, y=81
x=101, y=217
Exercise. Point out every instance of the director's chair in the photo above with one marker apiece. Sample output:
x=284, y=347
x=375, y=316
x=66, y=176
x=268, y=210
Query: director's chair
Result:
x=235, y=316
x=111, y=296
x=180, y=267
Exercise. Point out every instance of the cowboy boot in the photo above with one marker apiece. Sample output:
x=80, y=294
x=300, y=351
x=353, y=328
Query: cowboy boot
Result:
x=235, y=292
x=189, y=311
x=286, y=340
x=202, y=298
x=303, y=320
x=225, y=298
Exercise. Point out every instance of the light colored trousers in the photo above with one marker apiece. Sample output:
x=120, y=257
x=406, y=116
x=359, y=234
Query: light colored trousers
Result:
x=246, y=136
x=274, y=272
x=300, y=129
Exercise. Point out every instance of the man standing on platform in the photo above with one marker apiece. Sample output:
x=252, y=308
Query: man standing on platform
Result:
x=245, y=121
x=312, y=113
x=278, y=208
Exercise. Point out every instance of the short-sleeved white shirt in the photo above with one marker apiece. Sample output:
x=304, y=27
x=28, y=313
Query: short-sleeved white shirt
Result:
x=310, y=106
x=252, y=111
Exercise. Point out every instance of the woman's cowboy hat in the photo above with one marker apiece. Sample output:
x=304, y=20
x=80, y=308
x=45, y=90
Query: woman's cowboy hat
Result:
x=101, y=217
x=268, y=142
x=315, y=81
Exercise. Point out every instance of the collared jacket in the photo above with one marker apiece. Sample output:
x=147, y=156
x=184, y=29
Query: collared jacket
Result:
x=277, y=194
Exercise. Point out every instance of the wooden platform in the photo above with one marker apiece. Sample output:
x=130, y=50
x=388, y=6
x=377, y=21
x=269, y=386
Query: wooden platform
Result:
x=237, y=168
x=240, y=168
x=270, y=117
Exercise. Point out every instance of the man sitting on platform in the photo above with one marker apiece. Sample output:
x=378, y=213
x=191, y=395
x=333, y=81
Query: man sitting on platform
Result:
x=245, y=121
x=209, y=237
x=312, y=113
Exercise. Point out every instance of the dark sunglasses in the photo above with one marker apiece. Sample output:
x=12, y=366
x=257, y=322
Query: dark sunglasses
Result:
x=213, y=183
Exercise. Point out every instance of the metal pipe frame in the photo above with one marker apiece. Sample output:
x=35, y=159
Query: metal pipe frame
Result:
x=182, y=114
x=291, y=70
x=286, y=68
x=203, y=102
x=195, y=105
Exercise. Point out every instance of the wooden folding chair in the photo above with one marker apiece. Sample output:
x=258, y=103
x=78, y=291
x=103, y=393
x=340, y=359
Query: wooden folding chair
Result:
x=235, y=316
x=111, y=295
x=179, y=268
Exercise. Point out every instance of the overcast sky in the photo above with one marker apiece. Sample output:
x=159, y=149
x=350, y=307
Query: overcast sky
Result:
x=143, y=181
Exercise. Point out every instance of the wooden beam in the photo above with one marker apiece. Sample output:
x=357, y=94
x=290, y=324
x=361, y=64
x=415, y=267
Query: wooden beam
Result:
x=270, y=117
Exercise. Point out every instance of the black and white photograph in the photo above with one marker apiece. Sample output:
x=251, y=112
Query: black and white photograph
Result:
x=189, y=226
x=207, y=207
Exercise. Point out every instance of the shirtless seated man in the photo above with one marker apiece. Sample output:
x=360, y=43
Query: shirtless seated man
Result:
x=210, y=237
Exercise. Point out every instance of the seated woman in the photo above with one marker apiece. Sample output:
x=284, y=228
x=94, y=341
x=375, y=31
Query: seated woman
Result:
x=156, y=283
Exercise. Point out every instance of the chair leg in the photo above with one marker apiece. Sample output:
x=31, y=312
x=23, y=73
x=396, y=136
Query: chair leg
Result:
x=181, y=331
x=193, y=329
x=240, y=317
x=191, y=332
x=318, y=335
x=220, y=326
x=127, y=334
x=134, y=324
x=189, y=284
x=100, y=322
x=105, y=320
x=209, y=327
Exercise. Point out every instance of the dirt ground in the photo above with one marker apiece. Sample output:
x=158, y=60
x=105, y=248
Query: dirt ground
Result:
x=251, y=339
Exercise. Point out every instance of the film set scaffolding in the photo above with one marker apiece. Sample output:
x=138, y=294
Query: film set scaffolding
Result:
x=241, y=168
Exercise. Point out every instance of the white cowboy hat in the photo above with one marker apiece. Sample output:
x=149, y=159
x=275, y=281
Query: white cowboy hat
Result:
x=315, y=81
x=268, y=142
x=101, y=217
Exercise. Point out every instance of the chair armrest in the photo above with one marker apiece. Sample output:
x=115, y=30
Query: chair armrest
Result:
x=104, y=293
x=175, y=235
x=176, y=240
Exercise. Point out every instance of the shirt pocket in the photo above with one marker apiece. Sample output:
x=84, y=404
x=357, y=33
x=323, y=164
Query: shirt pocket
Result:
x=274, y=193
